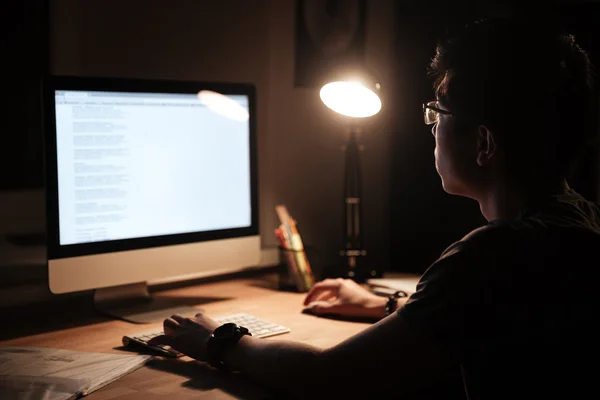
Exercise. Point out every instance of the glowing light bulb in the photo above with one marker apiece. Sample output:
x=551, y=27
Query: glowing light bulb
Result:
x=350, y=98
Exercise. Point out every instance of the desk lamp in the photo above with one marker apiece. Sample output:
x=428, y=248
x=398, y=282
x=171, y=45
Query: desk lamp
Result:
x=356, y=96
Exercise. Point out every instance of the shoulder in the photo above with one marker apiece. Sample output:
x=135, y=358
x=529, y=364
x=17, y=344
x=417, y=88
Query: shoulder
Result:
x=463, y=270
x=488, y=238
x=474, y=258
x=568, y=210
x=450, y=290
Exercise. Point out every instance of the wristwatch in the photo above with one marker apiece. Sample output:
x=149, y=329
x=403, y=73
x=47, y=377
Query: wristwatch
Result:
x=224, y=337
x=392, y=303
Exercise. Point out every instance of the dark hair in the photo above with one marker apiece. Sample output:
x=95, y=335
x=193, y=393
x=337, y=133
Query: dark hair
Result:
x=528, y=82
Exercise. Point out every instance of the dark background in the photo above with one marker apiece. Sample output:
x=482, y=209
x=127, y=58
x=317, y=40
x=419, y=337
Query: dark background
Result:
x=425, y=220
x=320, y=50
x=407, y=226
x=24, y=45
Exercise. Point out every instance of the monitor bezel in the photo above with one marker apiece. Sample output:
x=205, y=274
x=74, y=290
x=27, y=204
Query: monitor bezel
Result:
x=53, y=83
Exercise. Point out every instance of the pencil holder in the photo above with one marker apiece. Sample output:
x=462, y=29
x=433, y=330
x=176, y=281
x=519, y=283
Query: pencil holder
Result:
x=294, y=271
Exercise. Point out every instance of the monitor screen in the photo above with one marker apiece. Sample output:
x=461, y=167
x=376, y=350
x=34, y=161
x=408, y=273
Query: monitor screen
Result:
x=133, y=165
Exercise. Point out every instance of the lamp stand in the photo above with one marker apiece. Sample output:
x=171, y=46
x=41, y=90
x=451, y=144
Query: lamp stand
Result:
x=353, y=253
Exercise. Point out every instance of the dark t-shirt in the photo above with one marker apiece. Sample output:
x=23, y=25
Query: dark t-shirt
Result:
x=515, y=303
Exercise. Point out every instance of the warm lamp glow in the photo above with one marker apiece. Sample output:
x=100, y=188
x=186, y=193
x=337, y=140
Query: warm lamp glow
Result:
x=223, y=105
x=352, y=99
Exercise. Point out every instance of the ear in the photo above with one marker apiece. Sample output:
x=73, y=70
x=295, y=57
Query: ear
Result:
x=486, y=145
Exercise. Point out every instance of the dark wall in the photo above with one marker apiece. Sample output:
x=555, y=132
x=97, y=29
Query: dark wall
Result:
x=424, y=219
x=25, y=47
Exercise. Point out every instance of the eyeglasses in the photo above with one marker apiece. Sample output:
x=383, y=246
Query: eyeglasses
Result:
x=431, y=112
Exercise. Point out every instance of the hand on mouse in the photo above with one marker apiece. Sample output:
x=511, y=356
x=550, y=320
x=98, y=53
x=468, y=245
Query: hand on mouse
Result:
x=187, y=335
x=344, y=297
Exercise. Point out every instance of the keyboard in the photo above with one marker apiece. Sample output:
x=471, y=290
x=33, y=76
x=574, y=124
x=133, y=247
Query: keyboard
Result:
x=258, y=327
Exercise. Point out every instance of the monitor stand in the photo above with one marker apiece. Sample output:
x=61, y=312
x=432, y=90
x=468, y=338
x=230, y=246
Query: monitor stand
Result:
x=133, y=303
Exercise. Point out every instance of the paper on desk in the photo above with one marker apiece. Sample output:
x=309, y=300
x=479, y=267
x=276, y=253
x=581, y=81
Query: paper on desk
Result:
x=54, y=374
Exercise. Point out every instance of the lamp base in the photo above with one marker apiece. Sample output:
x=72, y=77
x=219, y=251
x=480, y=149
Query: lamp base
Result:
x=355, y=266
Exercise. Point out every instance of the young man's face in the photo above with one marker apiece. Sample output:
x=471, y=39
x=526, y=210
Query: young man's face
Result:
x=455, y=154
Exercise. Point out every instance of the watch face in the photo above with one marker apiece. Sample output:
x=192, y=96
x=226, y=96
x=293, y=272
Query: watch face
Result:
x=225, y=330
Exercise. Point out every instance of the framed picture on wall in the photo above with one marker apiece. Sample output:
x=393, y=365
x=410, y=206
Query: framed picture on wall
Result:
x=329, y=34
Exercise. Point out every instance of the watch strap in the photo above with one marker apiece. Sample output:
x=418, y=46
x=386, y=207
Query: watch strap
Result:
x=216, y=346
x=392, y=303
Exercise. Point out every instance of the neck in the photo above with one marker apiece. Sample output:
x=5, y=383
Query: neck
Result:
x=505, y=202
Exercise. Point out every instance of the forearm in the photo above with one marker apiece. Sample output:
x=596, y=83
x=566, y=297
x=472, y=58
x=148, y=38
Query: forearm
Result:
x=373, y=310
x=279, y=364
x=378, y=311
x=286, y=364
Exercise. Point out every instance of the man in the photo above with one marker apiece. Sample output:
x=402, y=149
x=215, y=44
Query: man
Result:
x=511, y=305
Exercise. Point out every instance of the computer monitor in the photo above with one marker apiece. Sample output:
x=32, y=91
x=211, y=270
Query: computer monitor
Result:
x=147, y=180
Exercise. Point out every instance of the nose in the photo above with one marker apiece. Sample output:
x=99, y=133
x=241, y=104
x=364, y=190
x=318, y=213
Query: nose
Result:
x=433, y=129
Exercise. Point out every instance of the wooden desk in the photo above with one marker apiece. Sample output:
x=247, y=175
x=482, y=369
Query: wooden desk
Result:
x=74, y=325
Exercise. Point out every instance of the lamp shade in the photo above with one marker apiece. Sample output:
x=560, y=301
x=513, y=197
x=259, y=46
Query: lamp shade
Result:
x=353, y=97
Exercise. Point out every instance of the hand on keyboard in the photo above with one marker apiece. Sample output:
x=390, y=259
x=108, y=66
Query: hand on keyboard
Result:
x=187, y=335
x=258, y=327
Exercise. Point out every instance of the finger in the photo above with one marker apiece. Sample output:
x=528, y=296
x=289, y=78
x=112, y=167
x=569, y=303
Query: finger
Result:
x=170, y=326
x=319, y=287
x=326, y=295
x=178, y=318
x=160, y=340
x=325, y=307
x=188, y=322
